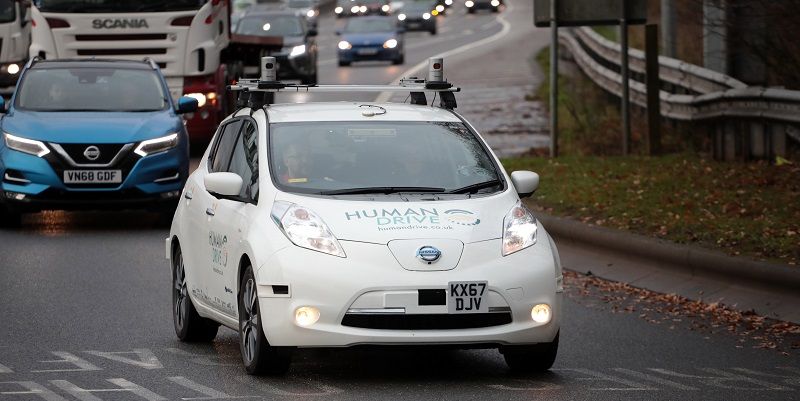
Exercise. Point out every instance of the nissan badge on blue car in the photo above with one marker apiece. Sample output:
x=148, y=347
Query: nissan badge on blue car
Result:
x=92, y=135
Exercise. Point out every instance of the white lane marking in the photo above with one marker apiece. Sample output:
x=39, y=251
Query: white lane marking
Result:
x=82, y=364
x=527, y=385
x=34, y=388
x=655, y=379
x=384, y=96
x=210, y=393
x=124, y=385
x=145, y=358
x=592, y=375
x=5, y=369
x=722, y=380
x=199, y=359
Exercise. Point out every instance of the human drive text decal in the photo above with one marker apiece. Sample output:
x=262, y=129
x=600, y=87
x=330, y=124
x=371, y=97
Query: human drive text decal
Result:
x=415, y=218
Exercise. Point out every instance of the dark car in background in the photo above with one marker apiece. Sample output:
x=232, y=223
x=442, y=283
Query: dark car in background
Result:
x=282, y=34
x=418, y=16
x=491, y=5
x=346, y=8
x=371, y=38
x=374, y=7
x=305, y=8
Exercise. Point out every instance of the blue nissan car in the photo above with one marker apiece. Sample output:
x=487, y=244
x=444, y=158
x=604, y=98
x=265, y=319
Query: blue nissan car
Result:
x=92, y=134
x=371, y=38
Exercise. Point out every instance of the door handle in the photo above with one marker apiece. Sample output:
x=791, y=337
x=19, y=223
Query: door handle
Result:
x=210, y=212
x=187, y=195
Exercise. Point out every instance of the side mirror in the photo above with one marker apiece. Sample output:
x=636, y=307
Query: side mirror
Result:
x=223, y=184
x=526, y=182
x=312, y=32
x=2, y=105
x=186, y=104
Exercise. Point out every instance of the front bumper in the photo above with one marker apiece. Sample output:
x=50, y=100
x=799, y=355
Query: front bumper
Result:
x=30, y=183
x=367, y=53
x=347, y=290
x=419, y=24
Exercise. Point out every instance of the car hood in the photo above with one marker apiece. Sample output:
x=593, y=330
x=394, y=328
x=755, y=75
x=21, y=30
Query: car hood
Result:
x=380, y=222
x=367, y=39
x=94, y=127
x=291, y=41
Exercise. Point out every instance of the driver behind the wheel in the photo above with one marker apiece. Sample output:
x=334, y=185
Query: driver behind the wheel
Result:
x=297, y=163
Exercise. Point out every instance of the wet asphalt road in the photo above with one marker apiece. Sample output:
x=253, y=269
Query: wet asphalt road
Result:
x=85, y=314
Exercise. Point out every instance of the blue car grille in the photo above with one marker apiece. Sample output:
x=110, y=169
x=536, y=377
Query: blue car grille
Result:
x=107, y=152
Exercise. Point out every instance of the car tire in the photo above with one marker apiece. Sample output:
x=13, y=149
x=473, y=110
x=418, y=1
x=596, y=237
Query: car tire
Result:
x=258, y=356
x=344, y=63
x=399, y=60
x=433, y=31
x=9, y=219
x=471, y=11
x=531, y=358
x=189, y=325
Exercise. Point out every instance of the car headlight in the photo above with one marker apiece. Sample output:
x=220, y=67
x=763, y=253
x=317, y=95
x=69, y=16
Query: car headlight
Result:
x=363, y=9
x=385, y=8
x=495, y=3
x=297, y=50
x=201, y=98
x=13, y=69
x=354, y=9
x=305, y=229
x=426, y=16
x=440, y=8
x=448, y=2
x=469, y=3
x=390, y=44
x=519, y=229
x=25, y=145
x=338, y=10
x=401, y=17
x=344, y=45
x=157, y=145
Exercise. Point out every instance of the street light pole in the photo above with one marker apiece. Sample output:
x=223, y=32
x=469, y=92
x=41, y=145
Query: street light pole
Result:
x=626, y=119
x=553, y=78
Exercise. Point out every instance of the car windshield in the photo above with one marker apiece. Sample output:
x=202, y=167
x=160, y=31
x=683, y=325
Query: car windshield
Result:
x=270, y=26
x=91, y=89
x=363, y=25
x=8, y=11
x=116, y=6
x=301, y=3
x=418, y=7
x=360, y=157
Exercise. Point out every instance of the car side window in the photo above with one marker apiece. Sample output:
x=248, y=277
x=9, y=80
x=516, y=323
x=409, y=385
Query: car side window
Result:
x=221, y=156
x=244, y=161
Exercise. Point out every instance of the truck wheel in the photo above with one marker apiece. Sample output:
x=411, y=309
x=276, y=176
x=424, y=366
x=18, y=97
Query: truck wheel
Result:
x=531, y=358
x=189, y=326
x=258, y=356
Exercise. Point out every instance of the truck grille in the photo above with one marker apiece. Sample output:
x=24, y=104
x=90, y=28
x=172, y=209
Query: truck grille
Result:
x=121, y=52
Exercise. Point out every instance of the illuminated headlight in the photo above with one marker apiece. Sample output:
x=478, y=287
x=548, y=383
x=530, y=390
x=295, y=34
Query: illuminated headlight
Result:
x=363, y=9
x=338, y=10
x=385, y=8
x=541, y=313
x=426, y=16
x=495, y=3
x=305, y=316
x=13, y=69
x=469, y=3
x=201, y=98
x=519, y=229
x=25, y=145
x=297, y=51
x=390, y=44
x=354, y=9
x=157, y=145
x=401, y=17
x=440, y=8
x=448, y=2
x=344, y=45
x=310, y=14
x=305, y=229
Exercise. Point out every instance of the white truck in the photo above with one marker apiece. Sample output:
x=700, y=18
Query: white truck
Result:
x=186, y=38
x=15, y=37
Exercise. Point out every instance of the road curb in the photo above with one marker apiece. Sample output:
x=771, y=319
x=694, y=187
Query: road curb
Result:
x=686, y=258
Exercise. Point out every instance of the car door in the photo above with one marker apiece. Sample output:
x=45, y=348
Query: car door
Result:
x=209, y=238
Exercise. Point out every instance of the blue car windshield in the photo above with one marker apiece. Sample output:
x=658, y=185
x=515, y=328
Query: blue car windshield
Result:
x=90, y=89
x=363, y=25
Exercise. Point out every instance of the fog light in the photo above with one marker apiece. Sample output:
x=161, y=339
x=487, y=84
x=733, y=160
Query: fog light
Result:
x=541, y=313
x=15, y=196
x=170, y=194
x=305, y=316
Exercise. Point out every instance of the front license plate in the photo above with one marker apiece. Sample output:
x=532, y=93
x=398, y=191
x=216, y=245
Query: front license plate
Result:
x=414, y=24
x=367, y=52
x=467, y=297
x=92, y=176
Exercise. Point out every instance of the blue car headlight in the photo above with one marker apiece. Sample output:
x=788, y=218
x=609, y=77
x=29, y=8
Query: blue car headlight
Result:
x=157, y=145
x=25, y=145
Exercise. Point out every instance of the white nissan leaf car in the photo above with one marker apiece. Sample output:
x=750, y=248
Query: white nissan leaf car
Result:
x=342, y=224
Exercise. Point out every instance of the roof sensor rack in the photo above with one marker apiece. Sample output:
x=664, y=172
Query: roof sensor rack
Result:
x=257, y=93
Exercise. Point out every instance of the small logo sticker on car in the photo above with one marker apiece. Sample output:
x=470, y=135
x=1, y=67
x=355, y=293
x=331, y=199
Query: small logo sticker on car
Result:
x=429, y=254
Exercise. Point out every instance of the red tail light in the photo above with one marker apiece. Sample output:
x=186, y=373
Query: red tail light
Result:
x=57, y=23
x=183, y=21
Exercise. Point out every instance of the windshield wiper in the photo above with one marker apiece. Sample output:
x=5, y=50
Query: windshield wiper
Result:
x=380, y=190
x=475, y=187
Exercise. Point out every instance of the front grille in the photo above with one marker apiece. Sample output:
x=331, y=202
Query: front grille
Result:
x=121, y=52
x=107, y=152
x=425, y=322
x=127, y=36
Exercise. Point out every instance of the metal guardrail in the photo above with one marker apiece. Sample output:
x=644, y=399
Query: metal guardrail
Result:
x=738, y=115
